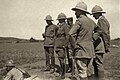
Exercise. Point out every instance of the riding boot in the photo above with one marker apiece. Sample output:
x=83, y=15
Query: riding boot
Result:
x=63, y=71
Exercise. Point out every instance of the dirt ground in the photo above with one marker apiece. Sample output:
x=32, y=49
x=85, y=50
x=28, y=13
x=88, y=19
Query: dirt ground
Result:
x=38, y=69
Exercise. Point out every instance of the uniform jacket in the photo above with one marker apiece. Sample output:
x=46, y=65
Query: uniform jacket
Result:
x=98, y=43
x=14, y=74
x=104, y=25
x=62, y=35
x=84, y=28
x=49, y=35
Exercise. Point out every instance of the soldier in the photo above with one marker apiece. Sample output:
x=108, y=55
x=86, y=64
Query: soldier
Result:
x=15, y=73
x=49, y=37
x=61, y=42
x=70, y=21
x=83, y=46
x=101, y=41
x=69, y=50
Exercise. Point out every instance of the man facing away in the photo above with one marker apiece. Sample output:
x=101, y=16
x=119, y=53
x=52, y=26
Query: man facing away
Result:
x=83, y=46
x=49, y=38
x=101, y=41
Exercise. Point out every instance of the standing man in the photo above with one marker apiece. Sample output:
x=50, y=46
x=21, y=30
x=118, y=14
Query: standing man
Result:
x=83, y=46
x=49, y=37
x=61, y=42
x=69, y=50
x=70, y=21
x=101, y=41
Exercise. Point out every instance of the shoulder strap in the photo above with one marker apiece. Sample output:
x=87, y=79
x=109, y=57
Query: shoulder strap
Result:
x=25, y=74
x=20, y=70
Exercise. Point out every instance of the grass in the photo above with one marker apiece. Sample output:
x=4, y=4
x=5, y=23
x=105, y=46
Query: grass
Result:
x=21, y=53
x=25, y=53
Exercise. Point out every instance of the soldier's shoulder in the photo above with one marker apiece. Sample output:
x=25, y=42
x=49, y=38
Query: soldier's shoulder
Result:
x=13, y=70
x=53, y=25
x=102, y=18
x=67, y=25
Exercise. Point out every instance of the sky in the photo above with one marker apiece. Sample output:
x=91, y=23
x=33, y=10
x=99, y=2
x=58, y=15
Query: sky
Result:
x=25, y=18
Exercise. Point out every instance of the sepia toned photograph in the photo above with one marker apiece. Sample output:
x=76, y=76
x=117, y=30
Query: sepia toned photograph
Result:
x=59, y=40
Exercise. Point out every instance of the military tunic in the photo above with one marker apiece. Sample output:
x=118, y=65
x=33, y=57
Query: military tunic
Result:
x=49, y=35
x=14, y=74
x=17, y=74
x=62, y=35
x=84, y=28
x=49, y=40
x=104, y=25
x=101, y=44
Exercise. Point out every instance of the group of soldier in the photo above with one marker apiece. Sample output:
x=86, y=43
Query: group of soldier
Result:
x=80, y=42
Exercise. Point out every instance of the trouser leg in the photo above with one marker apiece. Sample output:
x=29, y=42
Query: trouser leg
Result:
x=52, y=57
x=61, y=57
x=47, y=58
x=82, y=65
x=98, y=66
x=68, y=57
x=62, y=67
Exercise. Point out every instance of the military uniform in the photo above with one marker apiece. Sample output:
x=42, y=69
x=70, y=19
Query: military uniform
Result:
x=84, y=45
x=49, y=45
x=101, y=42
x=61, y=42
x=84, y=50
x=17, y=74
x=104, y=25
x=14, y=74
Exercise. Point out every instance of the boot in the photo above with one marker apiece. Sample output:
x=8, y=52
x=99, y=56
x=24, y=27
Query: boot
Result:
x=62, y=75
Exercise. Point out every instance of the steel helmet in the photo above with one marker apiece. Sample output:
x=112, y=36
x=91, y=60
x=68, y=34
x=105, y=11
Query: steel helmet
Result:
x=61, y=16
x=81, y=6
x=10, y=63
x=48, y=17
x=97, y=9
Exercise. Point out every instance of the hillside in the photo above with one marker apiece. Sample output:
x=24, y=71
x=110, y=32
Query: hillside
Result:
x=16, y=40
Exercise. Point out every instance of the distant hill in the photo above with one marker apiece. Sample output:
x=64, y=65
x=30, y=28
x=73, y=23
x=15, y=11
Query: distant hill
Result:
x=115, y=41
x=12, y=40
x=17, y=40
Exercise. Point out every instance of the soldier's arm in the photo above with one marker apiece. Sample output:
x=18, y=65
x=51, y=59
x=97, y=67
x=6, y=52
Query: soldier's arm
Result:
x=44, y=34
x=75, y=28
x=73, y=32
x=66, y=29
x=104, y=25
x=105, y=34
x=8, y=76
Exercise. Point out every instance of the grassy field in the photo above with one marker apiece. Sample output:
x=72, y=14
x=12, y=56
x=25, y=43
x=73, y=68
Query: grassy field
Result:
x=30, y=53
x=21, y=53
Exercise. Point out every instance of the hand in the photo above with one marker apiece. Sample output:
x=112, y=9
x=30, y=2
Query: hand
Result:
x=96, y=36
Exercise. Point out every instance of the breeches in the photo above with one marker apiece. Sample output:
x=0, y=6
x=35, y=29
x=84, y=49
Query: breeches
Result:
x=50, y=59
x=61, y=55
x=82, y=66
x=98, y=65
